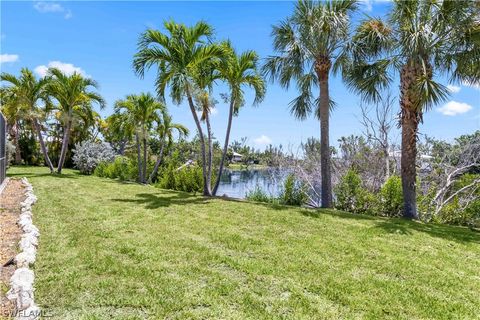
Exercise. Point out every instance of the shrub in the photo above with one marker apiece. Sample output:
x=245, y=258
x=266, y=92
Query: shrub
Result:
x=391, y=197
x=257, y=194
x=88, y=154
x=187, y=179
x=352, y=197
x=457, y=211
x=121, y=168
x=293, y=192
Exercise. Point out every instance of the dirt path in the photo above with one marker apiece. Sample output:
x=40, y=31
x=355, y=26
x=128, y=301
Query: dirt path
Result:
x=10, y=235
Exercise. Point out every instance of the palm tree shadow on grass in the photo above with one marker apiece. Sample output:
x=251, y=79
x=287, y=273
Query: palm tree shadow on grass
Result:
x=154, y=201
x=406, y=227
x=27, y=174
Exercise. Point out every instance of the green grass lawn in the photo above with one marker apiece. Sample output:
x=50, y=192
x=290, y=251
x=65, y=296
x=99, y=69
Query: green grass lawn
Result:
x=110, y=250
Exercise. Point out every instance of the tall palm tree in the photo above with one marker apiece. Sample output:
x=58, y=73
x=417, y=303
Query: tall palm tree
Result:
x=177, y=54
x=30, y=93
x=165, y=131
x=141, y=111
x=74, y=98
x=238, y=71
x=204, y=77
x=421, y=39
x=310, y=44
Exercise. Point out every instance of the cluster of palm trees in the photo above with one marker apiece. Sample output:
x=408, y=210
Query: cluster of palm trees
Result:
x=189, y=63
x=140, y=117
x=69, y=97
x=421, y=38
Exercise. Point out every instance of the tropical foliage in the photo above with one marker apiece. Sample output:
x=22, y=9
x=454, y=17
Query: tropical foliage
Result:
x=420, y=40
x=309, y=44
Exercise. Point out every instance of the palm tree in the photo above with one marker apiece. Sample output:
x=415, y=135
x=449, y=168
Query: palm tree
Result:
x=238, y=71
x=29, y=93
x=421, y=39
x=310, y=45
x=118, y=131
x=74, y=98
x=141, y=111
x=165, y=131
x=177, y=54
x=204, y=77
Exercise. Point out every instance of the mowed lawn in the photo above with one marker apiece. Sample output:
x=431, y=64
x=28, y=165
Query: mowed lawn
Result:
x=111, y=250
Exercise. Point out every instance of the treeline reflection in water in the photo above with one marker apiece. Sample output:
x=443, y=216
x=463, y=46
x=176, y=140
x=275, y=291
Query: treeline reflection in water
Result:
x=236, y=183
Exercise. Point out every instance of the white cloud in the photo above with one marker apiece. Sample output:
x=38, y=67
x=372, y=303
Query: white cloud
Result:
x=263, y=140
x=452, y=108
x=453, y=89
x=213, y=111
x=368, y=4
x=8, y=58
x=66, y=68
x=68, y=14
x=475, y=85
x=44, y=7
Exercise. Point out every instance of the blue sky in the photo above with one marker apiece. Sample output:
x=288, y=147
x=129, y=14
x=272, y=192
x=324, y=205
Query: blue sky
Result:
x=99, y=39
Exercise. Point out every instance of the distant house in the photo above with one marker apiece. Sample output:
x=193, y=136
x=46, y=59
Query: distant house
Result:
x=237, y=157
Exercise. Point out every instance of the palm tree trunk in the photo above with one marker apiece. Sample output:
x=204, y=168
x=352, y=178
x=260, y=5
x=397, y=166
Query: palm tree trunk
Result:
x=210, y=151
x=121, y=149
x=65, y=141
x=206, y=187
x=225, y=147
x=16, y=141
x=42, y=145
x=153, y=175
x=410, y=117
x=144, y=174
x=139, y=157
x=322, y=67
x=409, y=154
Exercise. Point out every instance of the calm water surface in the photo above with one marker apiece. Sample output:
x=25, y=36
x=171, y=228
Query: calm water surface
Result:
x=236, y=183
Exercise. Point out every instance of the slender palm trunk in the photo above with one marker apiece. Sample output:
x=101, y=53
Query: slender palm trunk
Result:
x=210, y=151
x=65, y=142
x=410, y=118
x=206, y=187
x=16, y=141
x=121, y=149
x=322, y=67
x=225, y=147
x=153, y=175
x=144, y=174
x=139, y=156
x=42, y=145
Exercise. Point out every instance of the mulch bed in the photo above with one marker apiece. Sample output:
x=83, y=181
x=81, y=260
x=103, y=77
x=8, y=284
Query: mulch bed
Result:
x=10, y=234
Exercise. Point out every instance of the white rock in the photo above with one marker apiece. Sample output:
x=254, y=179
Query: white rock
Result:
x=22, y=280
x=24, y=259
x=28, y=240
x=25, y=220
x=31, y=229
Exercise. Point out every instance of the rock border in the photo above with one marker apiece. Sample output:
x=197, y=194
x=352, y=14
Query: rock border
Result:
x=21, y=282
x=3, y=185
